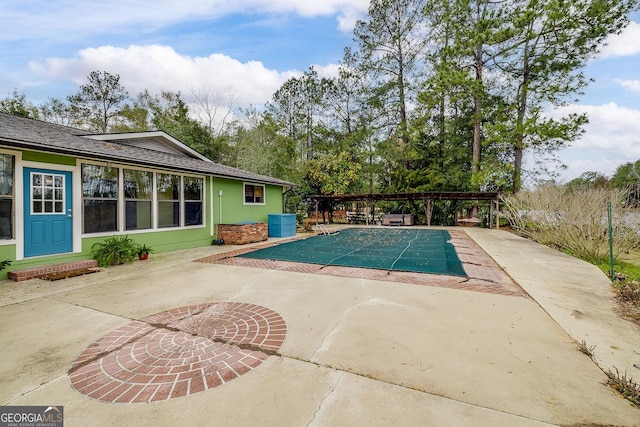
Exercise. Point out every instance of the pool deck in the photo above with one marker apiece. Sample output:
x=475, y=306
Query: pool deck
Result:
x=358, y=350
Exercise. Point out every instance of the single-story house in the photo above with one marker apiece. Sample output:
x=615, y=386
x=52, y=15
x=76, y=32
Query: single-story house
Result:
x=63, y=189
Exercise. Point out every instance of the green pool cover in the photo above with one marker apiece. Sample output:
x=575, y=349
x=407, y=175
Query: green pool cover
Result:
x=416, y=250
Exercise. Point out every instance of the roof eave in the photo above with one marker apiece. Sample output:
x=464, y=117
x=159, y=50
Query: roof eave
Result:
x=87, y=154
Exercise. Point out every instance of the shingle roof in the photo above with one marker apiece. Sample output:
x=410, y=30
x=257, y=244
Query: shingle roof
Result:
x=42, y=136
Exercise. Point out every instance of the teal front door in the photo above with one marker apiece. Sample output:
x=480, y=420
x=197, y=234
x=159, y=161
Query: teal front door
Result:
x=48, y=209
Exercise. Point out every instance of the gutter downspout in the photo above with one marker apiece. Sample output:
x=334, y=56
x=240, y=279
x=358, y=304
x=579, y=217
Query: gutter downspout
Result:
x=220, y=206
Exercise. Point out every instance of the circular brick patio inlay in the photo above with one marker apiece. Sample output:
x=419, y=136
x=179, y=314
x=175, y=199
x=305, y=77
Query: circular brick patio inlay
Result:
x=178, y=352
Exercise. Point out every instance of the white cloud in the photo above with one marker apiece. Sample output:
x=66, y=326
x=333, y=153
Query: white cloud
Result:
x=623, y=44
x=632, y=85
x=611, y=138
x=310, y=8
x=158, y=68
x=327, y=70
x=71, y=19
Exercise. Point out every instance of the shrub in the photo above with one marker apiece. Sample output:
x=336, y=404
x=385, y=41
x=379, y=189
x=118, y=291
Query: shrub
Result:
x=115, y=250
x=574, y=220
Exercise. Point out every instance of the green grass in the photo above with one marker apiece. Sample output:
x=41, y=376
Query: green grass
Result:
x=627, y=288
x=630, y=271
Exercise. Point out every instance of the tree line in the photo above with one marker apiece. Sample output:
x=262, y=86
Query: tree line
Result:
x=435, y=95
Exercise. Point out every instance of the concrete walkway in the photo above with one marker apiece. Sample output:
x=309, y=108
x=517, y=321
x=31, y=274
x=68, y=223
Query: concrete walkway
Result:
x=576, y=294
x=357, y=352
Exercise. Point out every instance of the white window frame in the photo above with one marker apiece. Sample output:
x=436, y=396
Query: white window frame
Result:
x=154, y=201
x=126, y=199
x=183, y=207
x=244, y=194
x=167, y=201
x=15, y=211
x=119, y=199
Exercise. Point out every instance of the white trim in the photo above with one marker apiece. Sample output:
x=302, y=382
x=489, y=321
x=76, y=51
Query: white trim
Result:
x=17, y=210
x=121, y=220
x=154, y=202
x=181, y=206
x=121, y=206
x=211, y=215
x=76, y=193
x=64, y=194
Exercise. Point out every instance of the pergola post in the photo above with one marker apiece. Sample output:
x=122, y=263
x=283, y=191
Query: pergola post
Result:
x=315, y=229
x=490, y=214
x=426, y=196
x=429, y=212
x=373, y=212
x=366, y=217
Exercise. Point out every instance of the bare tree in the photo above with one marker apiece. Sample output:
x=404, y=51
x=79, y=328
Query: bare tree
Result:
x=214, y=108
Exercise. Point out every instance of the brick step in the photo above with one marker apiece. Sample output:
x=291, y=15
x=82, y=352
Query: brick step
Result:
x=49, y=270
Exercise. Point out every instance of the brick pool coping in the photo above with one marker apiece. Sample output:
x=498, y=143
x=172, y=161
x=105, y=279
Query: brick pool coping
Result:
x=484, y=275
x=178, y=352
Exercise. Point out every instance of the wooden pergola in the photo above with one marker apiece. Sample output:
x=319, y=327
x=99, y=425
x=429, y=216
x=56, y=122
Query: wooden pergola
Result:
x=427, y=196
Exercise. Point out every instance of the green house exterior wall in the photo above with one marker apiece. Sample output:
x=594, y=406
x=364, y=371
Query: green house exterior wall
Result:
x=233, y=211
x=54, y=159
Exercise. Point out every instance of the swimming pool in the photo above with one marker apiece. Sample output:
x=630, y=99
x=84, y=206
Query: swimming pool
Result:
x=414, y=250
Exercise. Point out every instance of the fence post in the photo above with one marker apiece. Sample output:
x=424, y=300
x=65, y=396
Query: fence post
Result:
x=610, y=242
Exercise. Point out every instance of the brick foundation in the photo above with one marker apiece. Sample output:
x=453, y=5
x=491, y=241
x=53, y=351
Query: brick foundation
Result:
x=241, y=234
x=34, y=272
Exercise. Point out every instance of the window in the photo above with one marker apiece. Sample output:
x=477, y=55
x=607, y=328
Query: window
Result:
x=192, y=200
x=100, y=198
x=6, y=196
x=47, y=193
x=254, y=193
x=138, y=193
x=168, y=200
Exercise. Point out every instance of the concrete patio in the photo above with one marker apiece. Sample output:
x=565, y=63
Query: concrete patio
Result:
x=357, y=351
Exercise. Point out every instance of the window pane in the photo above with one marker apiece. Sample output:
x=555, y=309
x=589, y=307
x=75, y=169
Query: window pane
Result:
x=168, y=187
x=193, y=213
x=192, y=188
x=6, y=175
x=248, y=193
x=138, y=215
x=168, y=214
x=99, y=181
x=258, y=197
x=100, y=216
x=138, y=184
x=253, y=193
x=6, y=218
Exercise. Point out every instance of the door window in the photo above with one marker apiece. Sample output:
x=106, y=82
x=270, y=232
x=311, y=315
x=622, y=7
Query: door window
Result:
x=47, y=193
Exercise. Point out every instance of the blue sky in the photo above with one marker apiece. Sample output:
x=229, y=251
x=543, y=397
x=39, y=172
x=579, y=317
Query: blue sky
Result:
x=246, y=49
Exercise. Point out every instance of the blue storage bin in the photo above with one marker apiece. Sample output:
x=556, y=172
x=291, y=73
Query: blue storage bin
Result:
x=282, y=225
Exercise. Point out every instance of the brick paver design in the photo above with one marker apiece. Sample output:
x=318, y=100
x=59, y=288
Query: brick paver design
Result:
x=178, y=352
x=484, y=275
